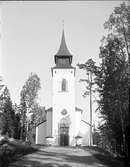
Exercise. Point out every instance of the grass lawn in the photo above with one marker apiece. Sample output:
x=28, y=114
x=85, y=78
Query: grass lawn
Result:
x=12, y=150
x=106, y=158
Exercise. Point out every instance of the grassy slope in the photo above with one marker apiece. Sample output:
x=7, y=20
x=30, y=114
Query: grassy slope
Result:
x=106, y=158
x=10, y=151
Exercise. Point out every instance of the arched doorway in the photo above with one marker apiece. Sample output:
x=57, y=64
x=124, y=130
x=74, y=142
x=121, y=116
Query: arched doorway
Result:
x=64, y=131
x=64, y=135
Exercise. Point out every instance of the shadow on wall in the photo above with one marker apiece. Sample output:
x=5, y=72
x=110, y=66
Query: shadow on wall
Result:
x=85, y=139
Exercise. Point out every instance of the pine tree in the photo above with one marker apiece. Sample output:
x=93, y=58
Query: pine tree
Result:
x=8, y=115
x=112, y=79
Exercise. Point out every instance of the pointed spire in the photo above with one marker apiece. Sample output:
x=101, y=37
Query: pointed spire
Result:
x=63, y=50
x=63, y=24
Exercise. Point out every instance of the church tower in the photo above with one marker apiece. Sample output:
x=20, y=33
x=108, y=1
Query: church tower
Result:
x=63, y=75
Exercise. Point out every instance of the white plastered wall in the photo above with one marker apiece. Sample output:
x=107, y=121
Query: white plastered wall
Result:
x=85, y=133
x=78, y=122
x=41, y=133
x=49, y=123
x=63, y=100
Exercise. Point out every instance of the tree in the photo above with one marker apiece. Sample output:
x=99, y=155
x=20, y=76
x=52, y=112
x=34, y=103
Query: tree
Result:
x=113, y=82
x=7, y=116
x=37, y=116
x=96, y=137
x=90, y=68
x=30, y=90
x=23, y=119
x=9, y=121
x=118, y=24
x=2, y=123
x=29, y=95
x=17, y=122
x=38, y=113
x=112, y=79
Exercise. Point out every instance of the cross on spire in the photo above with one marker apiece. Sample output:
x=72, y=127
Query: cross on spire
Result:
x=62, y=24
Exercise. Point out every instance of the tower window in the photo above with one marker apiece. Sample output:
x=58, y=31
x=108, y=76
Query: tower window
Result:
x=64, y=85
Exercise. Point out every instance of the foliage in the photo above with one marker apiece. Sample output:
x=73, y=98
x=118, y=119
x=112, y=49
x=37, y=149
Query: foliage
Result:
x=30, y=90
x=7, y=116
x=12, y=150
x=38, y=113
x=23, y=110
x=29, y=95
x=96, y=137
x=112, y=79
x=119, y=25
x=90, y=69
x=17, y=122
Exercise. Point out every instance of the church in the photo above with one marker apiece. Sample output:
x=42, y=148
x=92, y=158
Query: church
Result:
x=62, y=124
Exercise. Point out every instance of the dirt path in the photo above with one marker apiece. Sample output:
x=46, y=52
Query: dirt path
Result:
x=58, y=157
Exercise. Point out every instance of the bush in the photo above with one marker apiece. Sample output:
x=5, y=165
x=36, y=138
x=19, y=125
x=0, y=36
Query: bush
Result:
x=11, y=150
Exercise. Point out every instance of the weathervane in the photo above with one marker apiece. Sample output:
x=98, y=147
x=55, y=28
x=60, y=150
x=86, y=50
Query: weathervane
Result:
x=63, y=24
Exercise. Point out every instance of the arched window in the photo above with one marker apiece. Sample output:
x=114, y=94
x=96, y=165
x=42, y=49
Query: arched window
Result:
x=64, y=85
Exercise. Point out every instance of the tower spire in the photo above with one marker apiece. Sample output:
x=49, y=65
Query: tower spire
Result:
x=63, y=58
x=63, y=25
x=63, y=50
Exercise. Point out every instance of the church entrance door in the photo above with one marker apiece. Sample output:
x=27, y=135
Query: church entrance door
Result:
x=64, y=135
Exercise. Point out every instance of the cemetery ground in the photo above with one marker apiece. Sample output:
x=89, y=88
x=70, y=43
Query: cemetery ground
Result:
x=19, y=154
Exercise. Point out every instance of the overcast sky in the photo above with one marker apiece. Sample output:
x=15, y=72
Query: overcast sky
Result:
x=31, y=35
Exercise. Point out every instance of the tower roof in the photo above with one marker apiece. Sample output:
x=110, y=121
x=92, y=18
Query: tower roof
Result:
x=63, y=50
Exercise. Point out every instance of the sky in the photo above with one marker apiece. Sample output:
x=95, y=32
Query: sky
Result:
x=31, y=35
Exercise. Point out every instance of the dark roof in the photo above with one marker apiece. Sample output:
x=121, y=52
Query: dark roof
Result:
x=49, y=109
x=78, y=109
x=43, y=118
x=66, y=67
x=63, y=50
x=40, y=122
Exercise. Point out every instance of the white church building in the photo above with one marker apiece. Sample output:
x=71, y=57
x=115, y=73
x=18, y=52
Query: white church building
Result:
x=62, y=123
